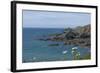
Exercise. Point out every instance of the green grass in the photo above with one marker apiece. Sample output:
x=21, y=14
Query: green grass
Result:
x=87, y=56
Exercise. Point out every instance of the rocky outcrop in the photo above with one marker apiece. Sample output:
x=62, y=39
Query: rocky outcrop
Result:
x=79, y=36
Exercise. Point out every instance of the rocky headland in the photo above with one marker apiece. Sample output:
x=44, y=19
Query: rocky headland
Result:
x=79, y=36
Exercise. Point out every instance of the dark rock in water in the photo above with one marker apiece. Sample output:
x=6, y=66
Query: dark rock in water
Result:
x=53, y=45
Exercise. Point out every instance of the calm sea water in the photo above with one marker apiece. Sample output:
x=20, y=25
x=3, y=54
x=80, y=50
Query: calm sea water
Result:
x=35, y=50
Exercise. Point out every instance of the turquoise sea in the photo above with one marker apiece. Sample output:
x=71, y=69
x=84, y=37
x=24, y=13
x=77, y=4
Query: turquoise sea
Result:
x=35, y=50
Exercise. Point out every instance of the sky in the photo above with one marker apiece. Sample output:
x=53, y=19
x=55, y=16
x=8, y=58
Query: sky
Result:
x=51, y=19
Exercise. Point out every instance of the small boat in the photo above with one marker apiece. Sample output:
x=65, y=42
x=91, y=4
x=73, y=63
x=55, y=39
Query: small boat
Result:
x=74, y=48
x=64, y=52
x=34, y=58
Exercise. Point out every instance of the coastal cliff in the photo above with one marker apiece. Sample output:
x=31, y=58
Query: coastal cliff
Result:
x=79, y=36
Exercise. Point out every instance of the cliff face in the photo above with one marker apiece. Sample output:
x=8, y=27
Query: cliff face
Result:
x=84, y=32
x=79, y=36
x=82, y=37
x=85, y=29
